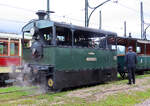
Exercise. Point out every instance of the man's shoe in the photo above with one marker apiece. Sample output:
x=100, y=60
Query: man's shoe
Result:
x=129, y=83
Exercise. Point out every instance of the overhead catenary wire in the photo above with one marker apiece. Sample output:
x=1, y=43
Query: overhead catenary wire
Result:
x=58, y=16
x=134, y=10
x=10, y=6
x=16, y=21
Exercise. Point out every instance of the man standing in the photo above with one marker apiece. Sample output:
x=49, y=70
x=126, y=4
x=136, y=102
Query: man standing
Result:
x=131, y=61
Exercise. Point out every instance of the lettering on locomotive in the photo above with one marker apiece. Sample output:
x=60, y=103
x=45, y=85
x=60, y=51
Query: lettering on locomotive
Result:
x=91, y=59
x=91, y=53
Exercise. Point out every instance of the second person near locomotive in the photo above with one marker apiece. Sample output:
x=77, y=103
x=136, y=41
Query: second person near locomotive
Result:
x=131, y=61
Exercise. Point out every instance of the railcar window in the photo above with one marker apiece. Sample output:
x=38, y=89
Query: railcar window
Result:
x=14, y=49
x=120, y=50
x=102, y=42
x=113, y=47
x=84, y=42
x=1, y=49
x=48, y=38
x=27, y=40
x=27, y=43
x=62, y=39
x=138, y=49
x=4, y=48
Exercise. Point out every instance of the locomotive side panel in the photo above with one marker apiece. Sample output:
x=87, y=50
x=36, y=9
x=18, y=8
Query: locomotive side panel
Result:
x=84, y=58
x=77, y=66
x=72, y=68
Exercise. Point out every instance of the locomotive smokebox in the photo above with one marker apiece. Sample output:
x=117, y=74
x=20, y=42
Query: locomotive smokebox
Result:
x=41, y=14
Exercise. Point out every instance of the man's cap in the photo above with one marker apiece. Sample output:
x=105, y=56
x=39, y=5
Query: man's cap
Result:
x=130, y=48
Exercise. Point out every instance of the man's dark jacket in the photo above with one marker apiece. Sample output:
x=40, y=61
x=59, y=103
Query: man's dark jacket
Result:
x=131, y=59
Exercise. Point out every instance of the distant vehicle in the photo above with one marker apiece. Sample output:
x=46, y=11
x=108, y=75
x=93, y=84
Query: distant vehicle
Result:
x=64, y=55
x=141, y=47
x=10, y=53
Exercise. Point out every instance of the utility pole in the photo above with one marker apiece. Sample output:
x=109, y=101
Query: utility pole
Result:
x=86, y=13
x=142, y=21
x=125, y=31
x=48, y=10
x=100, y=20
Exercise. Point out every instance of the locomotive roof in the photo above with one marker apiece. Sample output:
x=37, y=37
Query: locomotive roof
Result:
x=47, y=23
x=80, y=28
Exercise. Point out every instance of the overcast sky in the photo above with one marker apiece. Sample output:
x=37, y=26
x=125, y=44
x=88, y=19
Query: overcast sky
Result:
x=72, y=11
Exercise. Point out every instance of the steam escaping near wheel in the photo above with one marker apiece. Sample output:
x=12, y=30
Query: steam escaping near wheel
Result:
x=33, y=75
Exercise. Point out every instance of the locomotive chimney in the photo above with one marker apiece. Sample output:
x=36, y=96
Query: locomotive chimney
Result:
x=41, y=14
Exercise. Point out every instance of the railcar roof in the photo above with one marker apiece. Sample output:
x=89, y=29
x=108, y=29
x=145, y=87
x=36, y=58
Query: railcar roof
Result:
x=47, y=23
x=125, y=40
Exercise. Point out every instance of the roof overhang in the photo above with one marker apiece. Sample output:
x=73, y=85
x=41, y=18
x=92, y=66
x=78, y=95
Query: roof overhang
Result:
x=39, y=24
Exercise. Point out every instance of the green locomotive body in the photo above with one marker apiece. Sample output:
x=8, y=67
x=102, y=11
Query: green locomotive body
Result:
x=76, y=66
x=64, y=55
x=68, y=58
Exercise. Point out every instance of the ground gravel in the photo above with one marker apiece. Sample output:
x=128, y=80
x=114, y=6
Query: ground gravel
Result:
x=145, y=103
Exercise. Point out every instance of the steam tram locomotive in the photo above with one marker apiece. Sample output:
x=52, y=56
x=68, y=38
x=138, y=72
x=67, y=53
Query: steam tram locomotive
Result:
x=64, y=55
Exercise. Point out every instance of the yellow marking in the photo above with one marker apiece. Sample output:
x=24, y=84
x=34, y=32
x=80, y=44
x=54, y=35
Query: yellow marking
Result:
x=50, y=82
x=7, y=70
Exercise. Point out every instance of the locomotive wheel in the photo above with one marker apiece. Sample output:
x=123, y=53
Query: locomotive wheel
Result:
x=50, y=85
x=50, y=82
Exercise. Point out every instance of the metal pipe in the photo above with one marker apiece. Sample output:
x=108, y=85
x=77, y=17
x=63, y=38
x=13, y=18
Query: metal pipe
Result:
x=142, y=20
x=72, y=31
x=54, y=36
x=48, y=10
x=125, y=29
x=100, y=20
x=86, y=13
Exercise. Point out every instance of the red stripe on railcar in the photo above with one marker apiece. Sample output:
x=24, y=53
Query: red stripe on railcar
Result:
x=8, y=61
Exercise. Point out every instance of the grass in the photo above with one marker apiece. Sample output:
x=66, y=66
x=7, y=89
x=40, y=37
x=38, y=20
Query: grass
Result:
x=124, y=99
x=8, y=89
x=15, y=95
x=117, y=99
x=13, y=88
